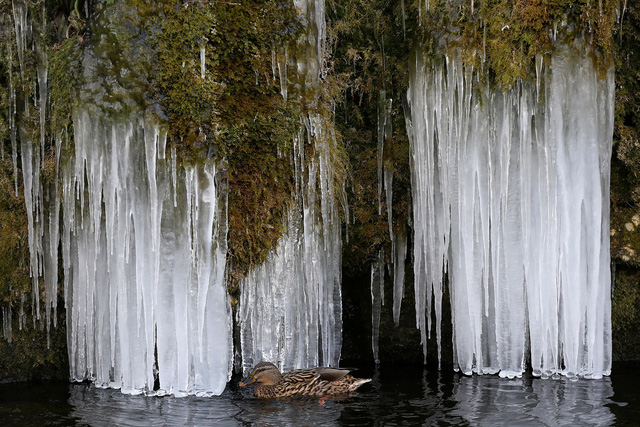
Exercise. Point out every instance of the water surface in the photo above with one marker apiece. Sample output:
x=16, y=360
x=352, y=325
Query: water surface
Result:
x=397, y=395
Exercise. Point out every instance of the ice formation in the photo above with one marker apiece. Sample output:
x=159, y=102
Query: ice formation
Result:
x=143, y=243
x=144, y=247
x=399, y=258
x=377, y=301
x=42, y=221
x=385, y=181
x=511, y=200
x=290, y=310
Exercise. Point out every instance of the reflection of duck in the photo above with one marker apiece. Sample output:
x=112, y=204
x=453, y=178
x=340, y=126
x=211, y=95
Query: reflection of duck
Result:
x=312, y=382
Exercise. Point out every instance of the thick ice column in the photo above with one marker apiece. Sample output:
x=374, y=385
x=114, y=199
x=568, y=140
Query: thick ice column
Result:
x=144, y=276
x=399, y=258
x=377, y=301
x=511, y=193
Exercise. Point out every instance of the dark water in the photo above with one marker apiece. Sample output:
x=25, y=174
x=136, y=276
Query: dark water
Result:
x=396, y=396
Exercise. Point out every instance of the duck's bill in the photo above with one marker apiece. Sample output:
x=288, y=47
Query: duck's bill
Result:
x=246, y=382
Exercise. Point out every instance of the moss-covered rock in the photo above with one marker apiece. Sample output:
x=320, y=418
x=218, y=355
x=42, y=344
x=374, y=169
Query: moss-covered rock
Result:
x=501, y=38
x=625, y=187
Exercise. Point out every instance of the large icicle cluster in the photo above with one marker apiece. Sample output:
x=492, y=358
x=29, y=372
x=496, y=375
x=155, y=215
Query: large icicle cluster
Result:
x=511, y=198
x=290, y=310
x=144, y=247
x=143, y=243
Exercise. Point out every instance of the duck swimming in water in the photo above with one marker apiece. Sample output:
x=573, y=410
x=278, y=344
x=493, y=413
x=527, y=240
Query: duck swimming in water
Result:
x=312, y=382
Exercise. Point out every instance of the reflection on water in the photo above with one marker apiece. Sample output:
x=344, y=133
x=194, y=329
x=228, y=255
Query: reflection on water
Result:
x=490, y=400
x=396, y=396
x=104, y=407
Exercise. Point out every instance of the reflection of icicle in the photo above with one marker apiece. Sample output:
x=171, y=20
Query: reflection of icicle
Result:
x=510, y=205
x=548, y=402
x=377, y=301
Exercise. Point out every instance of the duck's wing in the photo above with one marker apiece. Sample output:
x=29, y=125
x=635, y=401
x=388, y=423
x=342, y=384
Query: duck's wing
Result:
x=299, y=376
x=332, y=374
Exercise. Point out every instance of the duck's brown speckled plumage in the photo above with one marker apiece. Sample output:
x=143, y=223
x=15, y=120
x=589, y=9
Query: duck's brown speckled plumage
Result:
x=312, y=382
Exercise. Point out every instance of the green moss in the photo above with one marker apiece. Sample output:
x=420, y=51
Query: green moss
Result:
x=14, y=251
x=31, y=355
x=64, y=83
x=501, y=38
x=235, y=112
x=625, y=176
x=625, y=315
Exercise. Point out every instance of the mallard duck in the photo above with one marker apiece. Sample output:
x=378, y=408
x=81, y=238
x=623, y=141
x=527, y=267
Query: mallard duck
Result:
x=312, y=382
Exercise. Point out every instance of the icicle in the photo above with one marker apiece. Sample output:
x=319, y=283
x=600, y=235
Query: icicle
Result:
x=30, y=178
x=22, y=320
x=12, y=124
x=22, y=28
x=282, y=71
x=381, y=119
x=174, y=176
x=7, y=333
x=385, y=164
x=273, y=64
x=539, y=63
x=377, y=301
x=399, y=258
x=42, y=73
x=506, y=198
x=404, y=19
x=292, y=303
x=203, y=65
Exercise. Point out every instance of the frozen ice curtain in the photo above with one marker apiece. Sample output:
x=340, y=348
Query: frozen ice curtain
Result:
x=511, y=200
x=144, y=247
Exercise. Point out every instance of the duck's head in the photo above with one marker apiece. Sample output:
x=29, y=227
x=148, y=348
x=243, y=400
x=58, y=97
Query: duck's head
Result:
x=265, y=373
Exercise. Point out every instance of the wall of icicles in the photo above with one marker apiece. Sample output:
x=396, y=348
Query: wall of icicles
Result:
x=511, y=204
x=143, y=241
x=510, y=208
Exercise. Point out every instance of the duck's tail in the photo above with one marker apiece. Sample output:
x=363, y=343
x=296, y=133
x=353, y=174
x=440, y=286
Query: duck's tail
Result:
x=357, y=383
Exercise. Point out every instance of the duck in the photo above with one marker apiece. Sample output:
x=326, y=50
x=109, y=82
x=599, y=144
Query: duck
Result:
x=318, y=382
